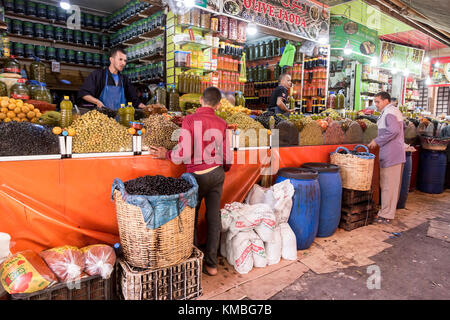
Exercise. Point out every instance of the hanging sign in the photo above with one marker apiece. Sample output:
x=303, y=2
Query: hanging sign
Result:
x=303, y=18
x=401, y=57
x=440, y=74
x=362, y=39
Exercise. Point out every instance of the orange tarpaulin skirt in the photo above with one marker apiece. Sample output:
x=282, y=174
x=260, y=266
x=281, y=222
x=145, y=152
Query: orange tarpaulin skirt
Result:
x=49, y=203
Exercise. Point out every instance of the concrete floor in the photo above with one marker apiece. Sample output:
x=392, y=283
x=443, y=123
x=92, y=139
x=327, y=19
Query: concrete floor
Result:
x=411, y=265
x=415, y=267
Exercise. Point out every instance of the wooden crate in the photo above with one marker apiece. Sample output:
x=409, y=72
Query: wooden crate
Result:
x=358, y=208
x=351, y=197
x=348, y=226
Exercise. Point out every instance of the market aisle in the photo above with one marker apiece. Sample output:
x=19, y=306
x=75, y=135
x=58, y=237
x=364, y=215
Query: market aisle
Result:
x=336, y=267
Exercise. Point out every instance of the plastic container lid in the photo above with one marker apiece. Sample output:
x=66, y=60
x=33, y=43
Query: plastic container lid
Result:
x=298, y=173
x=66, y=97
x=321, y=167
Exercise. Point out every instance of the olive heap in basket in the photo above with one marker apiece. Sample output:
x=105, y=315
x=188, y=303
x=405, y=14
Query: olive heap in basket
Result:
x=17, y=110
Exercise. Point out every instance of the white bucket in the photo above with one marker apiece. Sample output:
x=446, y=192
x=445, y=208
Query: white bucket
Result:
x=4, y=245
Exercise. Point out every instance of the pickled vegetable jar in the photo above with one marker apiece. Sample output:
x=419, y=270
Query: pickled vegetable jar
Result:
x=20, y=90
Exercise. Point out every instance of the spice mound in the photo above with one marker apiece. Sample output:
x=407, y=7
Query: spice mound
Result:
x=334, y=134
x=311, y=134
x=159, y=132
x=156, y=185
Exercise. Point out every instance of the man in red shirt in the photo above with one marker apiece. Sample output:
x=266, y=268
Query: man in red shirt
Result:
x=204, y=148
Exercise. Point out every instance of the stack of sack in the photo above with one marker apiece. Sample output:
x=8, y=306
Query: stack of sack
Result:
x=256, y=234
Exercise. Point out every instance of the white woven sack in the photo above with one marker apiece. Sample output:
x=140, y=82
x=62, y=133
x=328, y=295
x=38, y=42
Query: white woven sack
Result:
x=288, y=242
x=273, y=248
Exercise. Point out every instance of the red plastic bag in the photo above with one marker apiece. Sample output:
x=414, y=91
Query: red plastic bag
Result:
x=66, y=262
x=25, y=272
x=99, y=259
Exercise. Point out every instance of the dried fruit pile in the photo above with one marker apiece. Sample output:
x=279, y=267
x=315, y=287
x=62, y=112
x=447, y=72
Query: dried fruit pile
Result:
x=156, y=185
x=26, y=139
x=159, y=132
x=96, y=132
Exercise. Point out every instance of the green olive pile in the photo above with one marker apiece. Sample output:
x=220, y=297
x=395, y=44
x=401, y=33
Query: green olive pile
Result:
x=96, y=132
x=249, y=131
x=159, y=132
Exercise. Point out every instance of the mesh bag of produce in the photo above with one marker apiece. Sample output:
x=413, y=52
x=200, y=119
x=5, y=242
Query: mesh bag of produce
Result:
x=334, y=134
x=67, y=262
x=25, y=272
x=161, y=132
x=99, y=260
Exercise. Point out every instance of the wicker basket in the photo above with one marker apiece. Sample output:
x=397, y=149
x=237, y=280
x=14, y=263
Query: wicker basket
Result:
x=178, y=282
x=154, y=248
x=434, y=143
x=356, y=169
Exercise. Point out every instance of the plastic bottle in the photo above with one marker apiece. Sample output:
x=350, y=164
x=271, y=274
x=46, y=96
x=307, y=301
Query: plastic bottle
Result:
x=66, y=107
x=121, y=113
x=174, y=99
x=340, y=100
x=129, y=114
x=161, y=94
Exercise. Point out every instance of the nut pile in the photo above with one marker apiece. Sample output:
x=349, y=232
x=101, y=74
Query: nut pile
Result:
x=311, y=134
x=248, y=137
x=26, y=139
x=156, y=185
x=334, y=134
x=159, y=132
x=96, y=132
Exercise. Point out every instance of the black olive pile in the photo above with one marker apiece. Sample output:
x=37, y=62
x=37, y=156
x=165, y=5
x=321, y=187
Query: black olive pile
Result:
x=156, y=185
x=27, y=139
x=265, y=117
x=109, y=112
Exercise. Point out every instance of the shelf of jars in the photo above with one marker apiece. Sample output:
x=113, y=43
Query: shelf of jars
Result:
x=374, y=81
x=146, y=59
x=144, y=36
x=12, y=15
x=193, y=43
x=50, y=41
x=90, y=66
x=141, y=15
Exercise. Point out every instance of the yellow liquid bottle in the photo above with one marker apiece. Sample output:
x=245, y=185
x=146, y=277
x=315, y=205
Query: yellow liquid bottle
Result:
x=129, y=114
x=121, y=113
x=66, y=107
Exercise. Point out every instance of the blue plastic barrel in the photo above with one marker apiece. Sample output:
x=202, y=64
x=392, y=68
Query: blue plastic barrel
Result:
x=304, y=217
x=432, y=168
x=330, y=196
x=406, y=179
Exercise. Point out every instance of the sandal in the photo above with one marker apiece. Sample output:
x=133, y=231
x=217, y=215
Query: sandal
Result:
x=383, y=220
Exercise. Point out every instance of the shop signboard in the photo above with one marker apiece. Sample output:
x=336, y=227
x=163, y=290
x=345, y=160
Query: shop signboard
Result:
x=401, y=57
x=440, y=74
x=306, y=19
x=362, y=39
x=212, y=5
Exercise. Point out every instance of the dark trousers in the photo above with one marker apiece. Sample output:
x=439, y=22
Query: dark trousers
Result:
x=210, y=187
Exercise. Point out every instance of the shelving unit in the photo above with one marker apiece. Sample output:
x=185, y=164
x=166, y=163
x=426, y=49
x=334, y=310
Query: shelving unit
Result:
x=49, y=41
x=141, y=15
x=144, y=37
x=146, y=59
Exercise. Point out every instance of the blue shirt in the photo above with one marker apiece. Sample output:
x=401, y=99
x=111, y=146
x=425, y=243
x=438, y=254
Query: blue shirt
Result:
x=116, y=78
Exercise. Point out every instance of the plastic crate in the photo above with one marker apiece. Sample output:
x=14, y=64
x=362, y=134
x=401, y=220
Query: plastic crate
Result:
x=90, y=288
x=177, y=282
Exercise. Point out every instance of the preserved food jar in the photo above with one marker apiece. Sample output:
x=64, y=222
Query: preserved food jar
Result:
x=195, y=17
x=78, y=37
x=97, y=59
x=51, y=12
x=241, y=34
x=205, y=22
x=29, y=51
x=232, y=29
x=28, y=29
x=89, y=59
x=174, y=99
x=66, y=107
x=61, y=55
x=3, y=89
x=223, y=27
x=161, y=92
x=61, y=14
x=11, y=66
x=87, y=38
x=51, y=53
x=68, y=35
x=59, y=34
x=31, y=8
x=49, y=32
x=37, y=70
x=79, y=58
x=20, y=90
x=40, y=92
x=19, y=6
x=19, y=49
x=17, y=27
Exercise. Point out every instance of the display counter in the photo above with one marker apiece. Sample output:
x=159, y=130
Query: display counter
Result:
x=48, y=203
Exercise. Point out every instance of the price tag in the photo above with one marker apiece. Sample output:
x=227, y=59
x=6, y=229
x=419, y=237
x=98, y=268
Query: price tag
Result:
x=56, y=67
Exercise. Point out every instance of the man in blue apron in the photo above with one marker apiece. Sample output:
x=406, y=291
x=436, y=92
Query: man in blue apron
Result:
x=108, y=87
